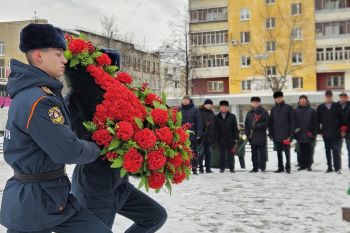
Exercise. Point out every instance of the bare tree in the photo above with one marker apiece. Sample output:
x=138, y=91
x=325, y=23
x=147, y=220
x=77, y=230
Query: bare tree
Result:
x=283, y=43
x=110, y=28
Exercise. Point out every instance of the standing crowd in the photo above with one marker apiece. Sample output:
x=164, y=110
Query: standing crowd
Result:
x=282, y=125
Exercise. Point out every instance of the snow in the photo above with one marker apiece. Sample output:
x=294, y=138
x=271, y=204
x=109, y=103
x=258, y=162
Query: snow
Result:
x=244, y=202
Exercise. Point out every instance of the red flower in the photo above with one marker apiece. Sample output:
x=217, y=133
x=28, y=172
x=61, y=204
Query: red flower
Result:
x=145, y=138
x=174, y=114
x=111, y=156
x=152, y=97
x=182, y=135
x=102, y=137
x=68, y=37
x=156, y=159
x=286, y=142
x=160, y=116
x=179, y=177
x=103, y=60
x=165, y=135
x=344, y=128
x=176, y=161
x=156, y=180
x=78, y=46
x=125, y=130
x=132, y=160
x=124, y=77
x=309, y=134
x=90, y=46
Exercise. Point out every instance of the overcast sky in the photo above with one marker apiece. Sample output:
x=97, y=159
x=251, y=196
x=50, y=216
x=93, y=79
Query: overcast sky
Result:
x=146, y=18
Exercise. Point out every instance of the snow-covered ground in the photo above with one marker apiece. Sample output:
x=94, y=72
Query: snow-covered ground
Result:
x=243, y=202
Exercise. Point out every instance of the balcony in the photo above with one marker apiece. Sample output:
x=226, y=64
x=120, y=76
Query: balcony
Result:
x=210, y=72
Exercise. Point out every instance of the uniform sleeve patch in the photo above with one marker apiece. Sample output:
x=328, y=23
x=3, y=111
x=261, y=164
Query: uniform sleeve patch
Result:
x=56, y=116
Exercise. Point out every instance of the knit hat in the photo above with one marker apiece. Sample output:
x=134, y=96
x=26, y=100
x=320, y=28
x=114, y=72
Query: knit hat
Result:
x=224, y=103
x=255, y=99
x=277, y=94
x=208, y=101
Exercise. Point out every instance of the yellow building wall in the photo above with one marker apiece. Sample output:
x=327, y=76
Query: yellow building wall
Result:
x=259, y=12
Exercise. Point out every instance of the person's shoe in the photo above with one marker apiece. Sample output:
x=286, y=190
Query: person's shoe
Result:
x=301, y=168
x=232, y=171
x=263, y=170
x=201, y=171
x=194, y=172
x=222, y=171
x=209, y=171
x=309, y=169
x=329, y=170
x=288, y=171
x=279, y=171
x=253, y=171
x=338, y=171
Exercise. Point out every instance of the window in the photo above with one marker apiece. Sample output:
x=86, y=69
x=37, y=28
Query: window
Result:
x=296, y=9
x=215, y=86
x=207, y=15
x=2, y=68
x=270, y=1
x=174, y=70
x=245, y=14
x=270, y=71
x=246, y=85
x=297, y=83
x=166, y=70
x=148, y=67
x=297, y=58
x=296, y=34
x=245, y=61
x=332, y=4
x=209, y=38
x=144, y=66
x=333, y=28
x=270, y=23
x=270, y=46
x=335, y=82
x=2, y=48
x=218, y=60
x=245, y=37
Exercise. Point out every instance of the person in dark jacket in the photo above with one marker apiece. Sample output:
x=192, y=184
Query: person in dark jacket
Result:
x=192, y=115
x=39, y=142
x=329, y=122
x=227, y=135
x=256, y=123
x=305, y=132
x=208, y=139
x=345, y=105
x=281, y=130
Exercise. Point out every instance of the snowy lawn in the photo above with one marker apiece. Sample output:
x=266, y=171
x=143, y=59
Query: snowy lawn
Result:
x=244, y=202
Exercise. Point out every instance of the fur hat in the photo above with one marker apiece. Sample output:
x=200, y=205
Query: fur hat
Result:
x=224, y=103
x=303, y=97
x=40, y=36
x=328, y=93
x=208, y=101
x=255, y=99
x=277, y=94
x=114, y=55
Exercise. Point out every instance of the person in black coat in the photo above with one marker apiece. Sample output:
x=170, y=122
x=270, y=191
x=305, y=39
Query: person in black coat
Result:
x=329, y=120
x=345, y=105
x=305, y=133
x=226, y=135
x=281, y=129
x=256, y=123
x=208, y=118
x=192, y=115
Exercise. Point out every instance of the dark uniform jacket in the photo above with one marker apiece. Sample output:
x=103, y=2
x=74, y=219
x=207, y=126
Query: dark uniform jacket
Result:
x=256, y=130
x=226, y=130
x=306, y=121
x=282, y=122
x=329, y=120
x=39, y=140
x=192, y=115
x=208, y=118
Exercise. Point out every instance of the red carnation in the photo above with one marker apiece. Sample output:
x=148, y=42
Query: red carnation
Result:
x=78, y=46
x=160, y=116
x=125, y=130
x=102, y=137
x=111, y=156
x=132, y=160
x=156, y=159
x=103, y=60
x=182, y=135
x=145, y=138
x=165, y=135
x=124, y=77
x=176, y=161
x=173, y=114
x=156, y=180
x=90, y=46
x=152, y=97
x=179, y=177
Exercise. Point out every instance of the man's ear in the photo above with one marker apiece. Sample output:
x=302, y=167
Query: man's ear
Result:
x=36, y=56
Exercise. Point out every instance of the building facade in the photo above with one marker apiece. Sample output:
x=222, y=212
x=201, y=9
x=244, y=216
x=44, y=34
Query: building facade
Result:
x=172, y=79
x=208, y=37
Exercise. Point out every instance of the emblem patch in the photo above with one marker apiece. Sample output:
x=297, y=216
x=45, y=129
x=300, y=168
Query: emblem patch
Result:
x=56, y=116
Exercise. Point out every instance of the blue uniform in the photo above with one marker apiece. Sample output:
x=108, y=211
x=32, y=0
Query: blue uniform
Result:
x=104, y=193
x=39, y=140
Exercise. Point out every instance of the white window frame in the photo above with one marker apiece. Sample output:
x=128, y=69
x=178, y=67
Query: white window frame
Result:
x=298, y=8
x=244, y=37
x=215, y=86
x=299, y=81
x=297, y=34
x=269, y=2
x=271, y=71
x=245, y=14
x=2, y=48
x=331, y=81
x=270, y=23
x=245, y=61
x=297, y=58
x=246, y=85
x=270, y=46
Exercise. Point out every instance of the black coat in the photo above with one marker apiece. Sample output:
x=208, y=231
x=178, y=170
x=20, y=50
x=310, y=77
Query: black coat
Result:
x=208, y=118
x=346, y=115
x=256, y=130
x=306, y=121
x=226, y=129
x=330, y=120
x=282, y=122
x=192, y=115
